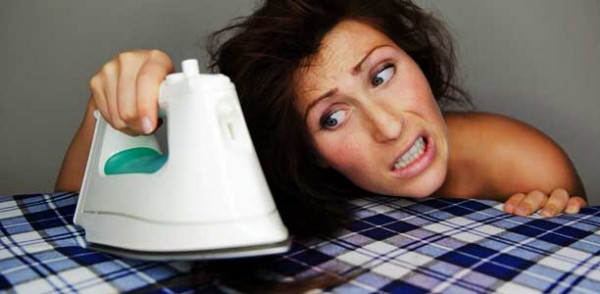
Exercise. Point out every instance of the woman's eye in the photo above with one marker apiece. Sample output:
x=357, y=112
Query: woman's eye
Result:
x=383, y=75
x=333, y=120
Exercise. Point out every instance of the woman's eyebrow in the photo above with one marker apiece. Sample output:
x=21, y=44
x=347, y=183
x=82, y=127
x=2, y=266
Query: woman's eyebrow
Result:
x=355, y=70
x=358, y=67
x=314, y=102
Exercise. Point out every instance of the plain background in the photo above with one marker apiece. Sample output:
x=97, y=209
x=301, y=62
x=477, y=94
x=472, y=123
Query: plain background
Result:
x=535, y=60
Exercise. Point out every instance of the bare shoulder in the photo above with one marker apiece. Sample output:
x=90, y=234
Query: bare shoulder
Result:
x=490, y=125
x=516, y=156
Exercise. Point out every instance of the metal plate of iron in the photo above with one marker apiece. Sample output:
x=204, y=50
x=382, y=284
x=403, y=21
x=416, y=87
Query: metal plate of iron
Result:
x=225, y=253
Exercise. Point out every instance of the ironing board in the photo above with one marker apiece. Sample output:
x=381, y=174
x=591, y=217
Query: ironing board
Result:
x=398, y=245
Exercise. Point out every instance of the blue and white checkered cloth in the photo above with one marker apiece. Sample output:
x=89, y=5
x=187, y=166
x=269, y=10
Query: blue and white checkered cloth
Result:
x=397, y=245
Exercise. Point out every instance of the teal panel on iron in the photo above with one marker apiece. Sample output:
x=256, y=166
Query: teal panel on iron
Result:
x=135, y=161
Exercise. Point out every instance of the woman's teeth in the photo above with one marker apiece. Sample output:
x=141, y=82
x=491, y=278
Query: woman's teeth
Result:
x=417, y=149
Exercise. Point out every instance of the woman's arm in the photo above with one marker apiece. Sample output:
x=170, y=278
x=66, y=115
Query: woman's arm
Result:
x=511, y=161
x=536, y=173
x=73, y=166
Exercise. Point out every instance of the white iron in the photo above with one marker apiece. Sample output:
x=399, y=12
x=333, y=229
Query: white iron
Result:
x=208, y=199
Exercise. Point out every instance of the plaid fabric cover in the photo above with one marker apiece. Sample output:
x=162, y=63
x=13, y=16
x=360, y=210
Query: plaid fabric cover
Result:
x=396, y=246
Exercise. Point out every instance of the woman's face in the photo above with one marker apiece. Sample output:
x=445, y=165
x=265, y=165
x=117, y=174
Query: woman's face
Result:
x=371, y=113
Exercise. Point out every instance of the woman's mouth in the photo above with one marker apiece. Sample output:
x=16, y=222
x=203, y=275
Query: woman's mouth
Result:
x=414, y=153
x=416, y=159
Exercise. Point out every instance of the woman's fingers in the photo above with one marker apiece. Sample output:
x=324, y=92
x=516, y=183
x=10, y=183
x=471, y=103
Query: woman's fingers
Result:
x=574, y=204
x=531, y=203
x=125, y=90
x=150, y=76
x=556, y=203
x=110, y=74
x=98, y=96
x=129, y=65
x=512, y=202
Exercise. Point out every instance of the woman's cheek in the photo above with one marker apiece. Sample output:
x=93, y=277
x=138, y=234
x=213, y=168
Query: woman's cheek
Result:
x=339, y=152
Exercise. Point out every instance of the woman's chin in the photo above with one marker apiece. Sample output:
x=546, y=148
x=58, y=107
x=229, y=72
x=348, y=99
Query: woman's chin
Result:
x=424, y=186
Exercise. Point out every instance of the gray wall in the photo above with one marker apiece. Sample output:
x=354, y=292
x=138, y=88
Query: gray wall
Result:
x=536, y=60
x=50, y=49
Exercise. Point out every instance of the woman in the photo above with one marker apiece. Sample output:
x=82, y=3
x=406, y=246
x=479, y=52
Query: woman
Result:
x=343, y=98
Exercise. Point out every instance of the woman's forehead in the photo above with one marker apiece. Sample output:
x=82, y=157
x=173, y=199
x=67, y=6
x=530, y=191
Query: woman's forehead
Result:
x=345, y=46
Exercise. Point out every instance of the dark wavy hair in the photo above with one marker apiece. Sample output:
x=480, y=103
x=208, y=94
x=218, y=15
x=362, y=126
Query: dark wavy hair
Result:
x=261, y=54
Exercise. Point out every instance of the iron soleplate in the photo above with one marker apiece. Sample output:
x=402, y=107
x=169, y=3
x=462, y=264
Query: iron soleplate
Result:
x=235, y=252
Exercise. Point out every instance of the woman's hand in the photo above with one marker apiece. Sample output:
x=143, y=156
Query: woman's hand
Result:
x=125, y=90
x=551, y=205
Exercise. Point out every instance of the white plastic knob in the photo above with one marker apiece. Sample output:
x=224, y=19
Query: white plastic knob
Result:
x=190, y=68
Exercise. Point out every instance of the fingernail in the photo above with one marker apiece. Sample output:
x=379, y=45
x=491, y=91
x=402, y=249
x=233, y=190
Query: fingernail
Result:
x=147, y=125
x=547, y=212
x=572, y=209
x=509, y=208
x=521, y=211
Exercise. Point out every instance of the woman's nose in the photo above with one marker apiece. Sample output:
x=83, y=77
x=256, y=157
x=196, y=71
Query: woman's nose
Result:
x=386, y=125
